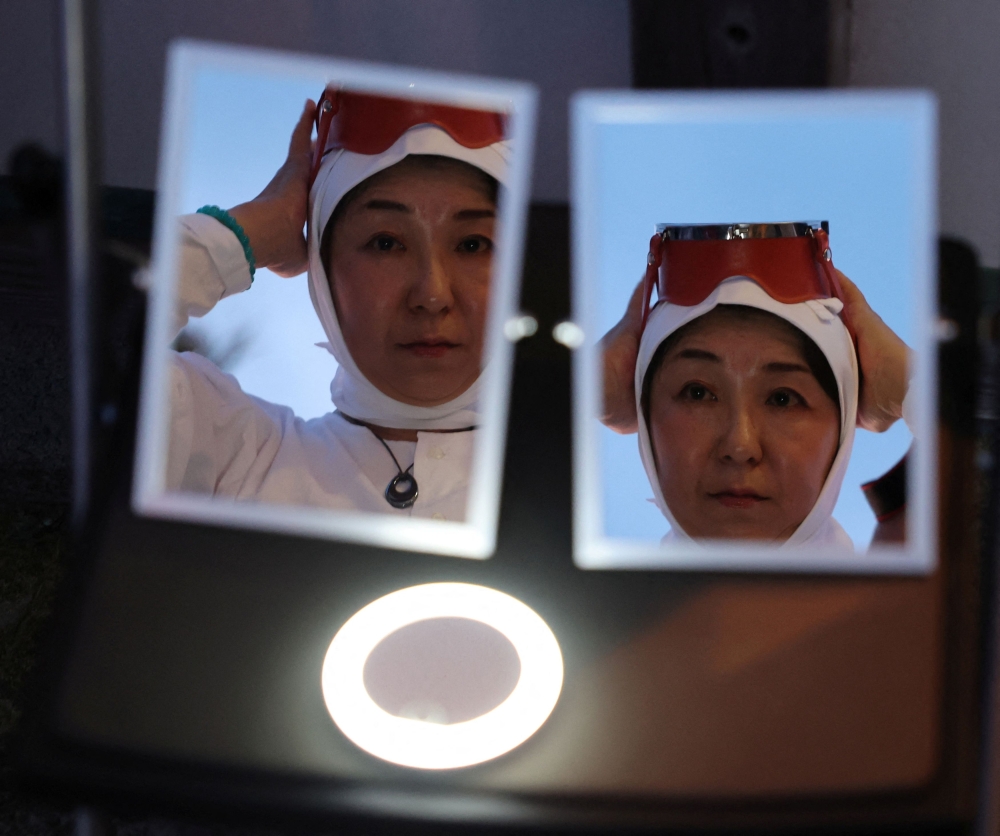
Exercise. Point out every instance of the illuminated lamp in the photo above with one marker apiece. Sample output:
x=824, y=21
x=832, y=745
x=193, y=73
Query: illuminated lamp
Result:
x=429, y=745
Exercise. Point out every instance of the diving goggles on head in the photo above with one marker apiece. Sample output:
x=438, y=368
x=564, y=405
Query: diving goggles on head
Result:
x=366, y=123
x=792, y=262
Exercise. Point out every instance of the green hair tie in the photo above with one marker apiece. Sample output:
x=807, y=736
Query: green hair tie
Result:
x=227, y=220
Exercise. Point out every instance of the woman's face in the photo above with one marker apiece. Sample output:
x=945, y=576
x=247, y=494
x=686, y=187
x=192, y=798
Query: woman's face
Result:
x=742, y=432
x=410, y=265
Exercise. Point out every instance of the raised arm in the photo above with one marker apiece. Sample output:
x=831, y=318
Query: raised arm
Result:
x=213, y=264
x=222, y=440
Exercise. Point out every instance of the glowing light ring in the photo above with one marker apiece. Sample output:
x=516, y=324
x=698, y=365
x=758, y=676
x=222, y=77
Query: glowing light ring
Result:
x=427, y=745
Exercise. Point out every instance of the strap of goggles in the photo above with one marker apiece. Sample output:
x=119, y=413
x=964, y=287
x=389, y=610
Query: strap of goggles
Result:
x=327, y=108
x=824, y=257
x=651, y=279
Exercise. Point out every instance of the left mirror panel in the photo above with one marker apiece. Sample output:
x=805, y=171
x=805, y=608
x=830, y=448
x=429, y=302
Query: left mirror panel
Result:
x=337, y=250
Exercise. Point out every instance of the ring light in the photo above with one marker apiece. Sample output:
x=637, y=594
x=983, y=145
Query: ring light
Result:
x=428, y=745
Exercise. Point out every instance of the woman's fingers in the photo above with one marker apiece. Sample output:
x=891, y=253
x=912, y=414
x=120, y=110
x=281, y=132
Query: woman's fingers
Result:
x=884, y=360
x=300, y=144
x=851, y=291
x=619, y=351
x=294, y=194
x=633, y=312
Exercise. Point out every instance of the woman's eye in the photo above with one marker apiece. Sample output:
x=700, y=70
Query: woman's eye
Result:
x=696, y=392
x=475, y=244
x=384, y=243
x=784, y=398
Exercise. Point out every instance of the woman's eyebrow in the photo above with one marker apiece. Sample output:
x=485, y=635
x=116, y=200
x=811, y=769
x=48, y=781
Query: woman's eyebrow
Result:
x=696, y=354
x=787, y=367
x=388, y=205
x=473, y=214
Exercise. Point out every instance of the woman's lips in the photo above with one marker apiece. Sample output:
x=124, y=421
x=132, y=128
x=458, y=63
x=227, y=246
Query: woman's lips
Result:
x=738, y=499
x=429, y=348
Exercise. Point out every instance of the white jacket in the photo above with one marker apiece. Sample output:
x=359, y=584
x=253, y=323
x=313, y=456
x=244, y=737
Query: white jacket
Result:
x=226, y=442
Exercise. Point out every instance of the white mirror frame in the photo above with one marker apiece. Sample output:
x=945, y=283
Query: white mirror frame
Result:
x=476, y=537
x=593, y=115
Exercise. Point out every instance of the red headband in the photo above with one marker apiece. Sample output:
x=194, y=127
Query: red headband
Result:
x=369, y=124
x=791, y=262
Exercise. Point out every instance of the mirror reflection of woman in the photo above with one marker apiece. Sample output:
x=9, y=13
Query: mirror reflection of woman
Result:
x=746, y=406
x=741, y=428
x=399, y=252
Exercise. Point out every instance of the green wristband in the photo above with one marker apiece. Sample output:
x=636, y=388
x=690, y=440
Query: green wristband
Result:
x=227, y=220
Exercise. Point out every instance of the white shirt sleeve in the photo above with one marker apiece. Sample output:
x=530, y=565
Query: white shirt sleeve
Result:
x=212, y=267
x=222, y=440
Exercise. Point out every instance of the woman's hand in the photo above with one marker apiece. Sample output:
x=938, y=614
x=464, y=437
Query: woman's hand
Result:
x=884, y=360
x=274, y=220
x=619, y=352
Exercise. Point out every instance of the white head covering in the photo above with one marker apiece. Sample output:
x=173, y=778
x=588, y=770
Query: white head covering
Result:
x=340, y=172
x=817, y=319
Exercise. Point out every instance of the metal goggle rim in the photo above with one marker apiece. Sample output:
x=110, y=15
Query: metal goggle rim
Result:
x=729, y=232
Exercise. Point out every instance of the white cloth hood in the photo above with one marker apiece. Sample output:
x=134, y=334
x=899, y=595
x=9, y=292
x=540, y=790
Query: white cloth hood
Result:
x=820, y=321
x=340, y=172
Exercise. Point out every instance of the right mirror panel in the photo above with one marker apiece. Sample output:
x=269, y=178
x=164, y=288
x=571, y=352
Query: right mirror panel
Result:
x=754, y=275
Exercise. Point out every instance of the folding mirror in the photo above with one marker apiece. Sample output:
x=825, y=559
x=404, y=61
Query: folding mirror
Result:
x=778, y=351
x=413, y=233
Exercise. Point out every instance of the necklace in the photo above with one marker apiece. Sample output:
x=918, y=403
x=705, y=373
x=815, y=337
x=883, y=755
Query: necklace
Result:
x=401, y=492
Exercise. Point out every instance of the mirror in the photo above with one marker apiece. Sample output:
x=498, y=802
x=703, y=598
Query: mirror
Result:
x=397, y=291
x=781, y=225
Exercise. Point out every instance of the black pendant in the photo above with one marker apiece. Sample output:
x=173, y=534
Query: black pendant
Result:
x=402, y=491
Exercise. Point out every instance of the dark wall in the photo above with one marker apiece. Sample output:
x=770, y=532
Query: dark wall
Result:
x=730, y=43
x=560, y=46
x=952, y=49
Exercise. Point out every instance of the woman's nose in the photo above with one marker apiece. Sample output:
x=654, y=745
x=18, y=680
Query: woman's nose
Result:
x=740, y=442
x=430, y=290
